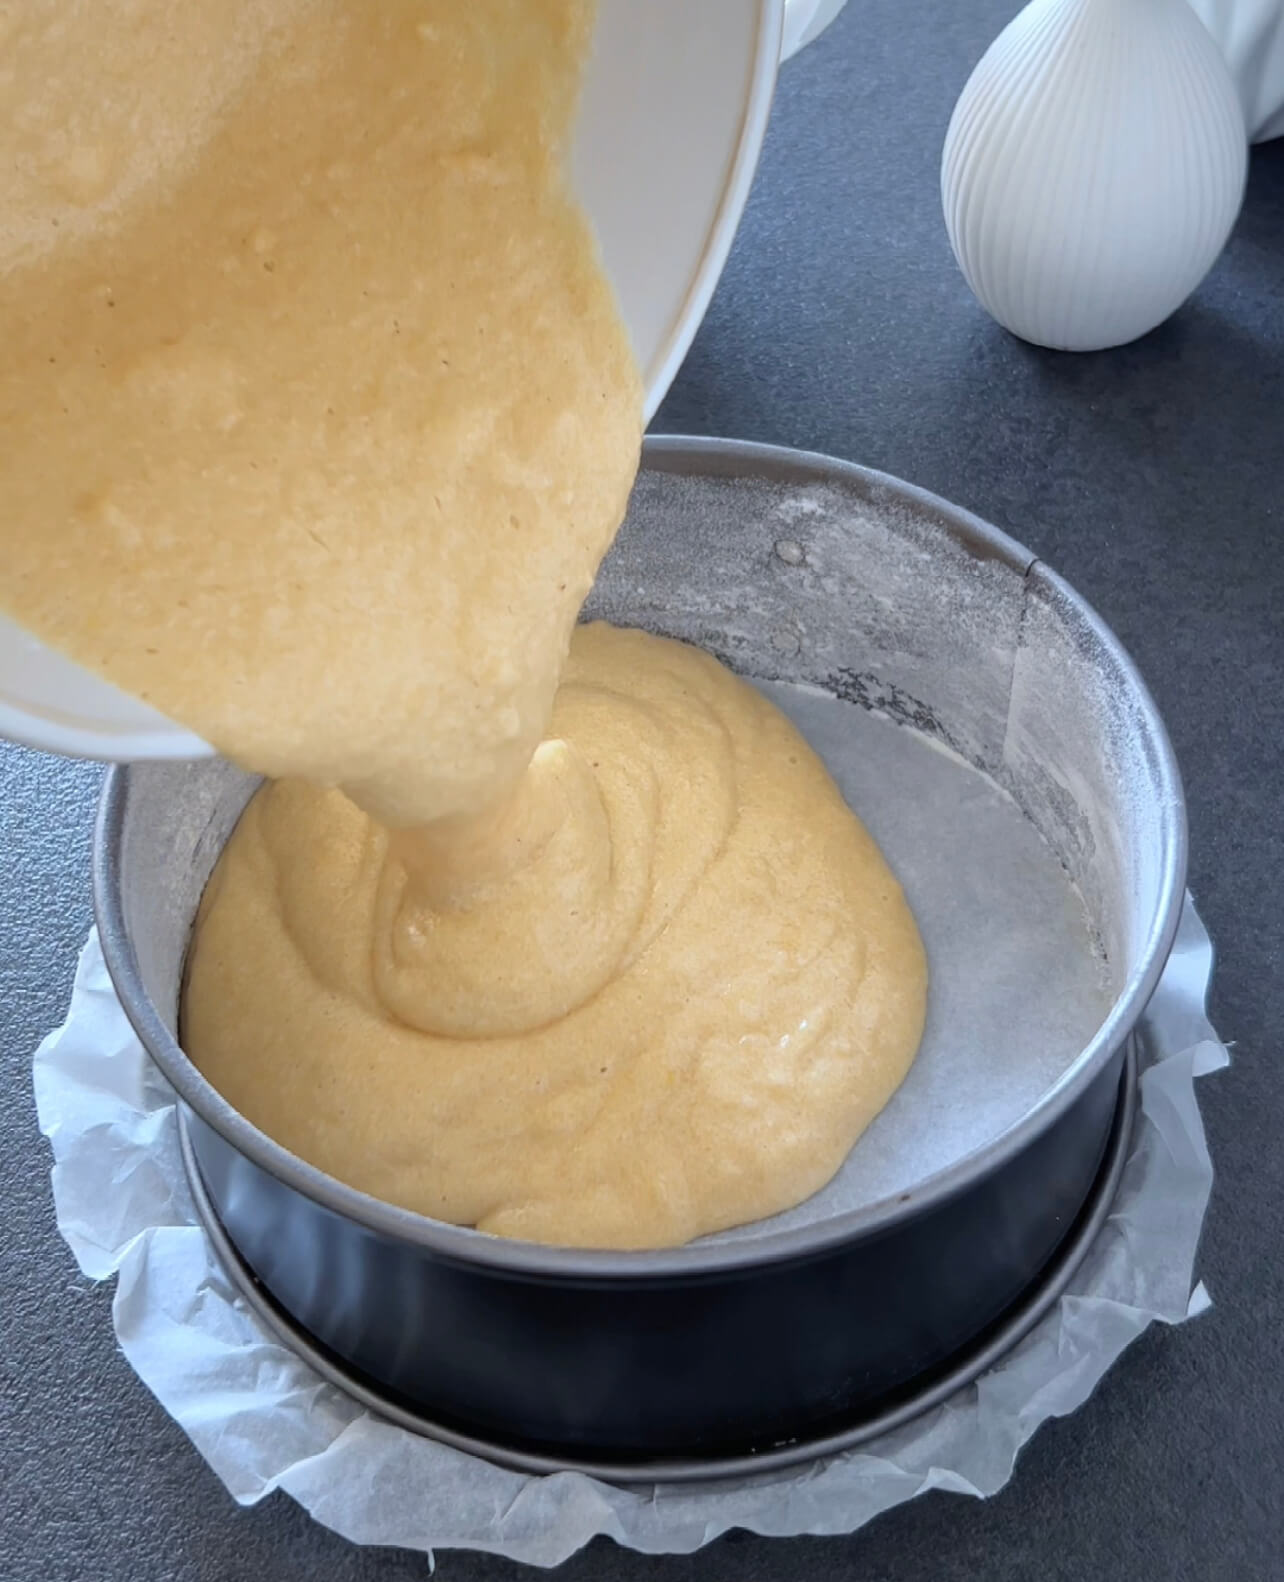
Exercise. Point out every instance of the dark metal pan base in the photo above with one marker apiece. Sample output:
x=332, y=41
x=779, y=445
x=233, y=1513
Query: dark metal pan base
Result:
x=925, y=1392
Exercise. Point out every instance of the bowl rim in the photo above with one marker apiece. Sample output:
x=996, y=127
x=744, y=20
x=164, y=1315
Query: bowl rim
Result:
x=464, y=1245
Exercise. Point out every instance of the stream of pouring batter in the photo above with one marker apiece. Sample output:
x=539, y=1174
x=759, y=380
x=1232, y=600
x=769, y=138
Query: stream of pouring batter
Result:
x=317, y=415
x=316, y=409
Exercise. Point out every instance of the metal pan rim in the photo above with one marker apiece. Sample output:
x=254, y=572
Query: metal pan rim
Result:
x=475, y=1249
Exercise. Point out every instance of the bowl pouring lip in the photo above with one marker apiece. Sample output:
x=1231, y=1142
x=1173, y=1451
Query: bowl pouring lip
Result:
x=477, y=1250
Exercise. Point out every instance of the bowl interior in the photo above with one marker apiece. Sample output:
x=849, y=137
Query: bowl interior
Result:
x=975, y=714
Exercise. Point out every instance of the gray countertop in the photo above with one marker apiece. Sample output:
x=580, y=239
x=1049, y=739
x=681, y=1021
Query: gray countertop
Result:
x=1151, y=477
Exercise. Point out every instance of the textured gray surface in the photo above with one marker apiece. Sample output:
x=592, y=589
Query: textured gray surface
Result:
x=1152, y=478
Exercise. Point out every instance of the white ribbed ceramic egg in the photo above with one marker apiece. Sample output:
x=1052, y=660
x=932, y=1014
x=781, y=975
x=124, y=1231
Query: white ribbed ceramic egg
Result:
x=1093, y=168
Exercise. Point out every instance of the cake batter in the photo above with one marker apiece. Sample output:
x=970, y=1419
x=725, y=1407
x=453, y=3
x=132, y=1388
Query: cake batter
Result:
x=316, y=411
x=664, y=993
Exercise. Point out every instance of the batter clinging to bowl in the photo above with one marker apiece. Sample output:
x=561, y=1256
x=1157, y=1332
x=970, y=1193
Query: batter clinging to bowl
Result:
x=331, y=392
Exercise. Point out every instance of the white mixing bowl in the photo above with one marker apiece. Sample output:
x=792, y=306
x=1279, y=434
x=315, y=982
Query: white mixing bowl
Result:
x=674, y=108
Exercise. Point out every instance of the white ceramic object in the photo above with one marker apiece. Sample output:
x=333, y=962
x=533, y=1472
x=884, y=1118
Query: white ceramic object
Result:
x=674, y=108
x=1251, y=35
x=806, y=20
x=1093, y=168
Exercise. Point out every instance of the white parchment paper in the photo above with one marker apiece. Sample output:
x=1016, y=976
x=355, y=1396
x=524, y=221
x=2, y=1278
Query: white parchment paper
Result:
x=264, y=1420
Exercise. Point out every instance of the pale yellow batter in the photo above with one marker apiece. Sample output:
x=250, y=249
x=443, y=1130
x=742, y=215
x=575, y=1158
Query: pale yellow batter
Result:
x=679, y=986
x=316, y=417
